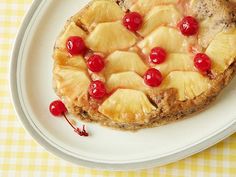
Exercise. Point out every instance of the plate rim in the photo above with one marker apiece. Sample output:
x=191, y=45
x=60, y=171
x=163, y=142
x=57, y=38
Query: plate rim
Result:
x=215, y=138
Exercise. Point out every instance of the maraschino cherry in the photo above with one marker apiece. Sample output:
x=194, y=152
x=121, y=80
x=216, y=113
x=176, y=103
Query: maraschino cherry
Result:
x=133, y=21
x=158, y=55
x=57, y=108
x=75, y=45
x=95, y=63
x=189, y=26
x=97, y=89
x=153, y=77
x=202, y=62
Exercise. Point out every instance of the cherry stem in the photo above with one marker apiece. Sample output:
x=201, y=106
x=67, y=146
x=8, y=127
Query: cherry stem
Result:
x=69, y=122
x=77, y=130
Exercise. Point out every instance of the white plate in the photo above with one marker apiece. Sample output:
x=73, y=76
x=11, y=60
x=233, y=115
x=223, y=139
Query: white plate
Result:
x=31, y=76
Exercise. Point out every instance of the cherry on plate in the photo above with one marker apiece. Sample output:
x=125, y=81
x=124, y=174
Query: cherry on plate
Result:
x=57, y=108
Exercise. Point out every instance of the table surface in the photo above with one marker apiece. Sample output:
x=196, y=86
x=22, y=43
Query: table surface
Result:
x=20, y=155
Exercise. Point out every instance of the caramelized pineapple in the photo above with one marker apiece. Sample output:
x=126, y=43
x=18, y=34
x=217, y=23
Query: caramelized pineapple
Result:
x=127, y=106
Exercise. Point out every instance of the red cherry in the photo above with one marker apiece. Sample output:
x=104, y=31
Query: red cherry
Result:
x=75, y=45
x=133, y=21
x=97, y=89
x=95, y=63
x=189, y=26
x=57, y=108
x=153, y=77
x=158, y=55
x=202, y=62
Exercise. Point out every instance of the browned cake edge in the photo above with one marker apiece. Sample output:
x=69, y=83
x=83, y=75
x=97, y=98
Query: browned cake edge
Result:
x=169, y=109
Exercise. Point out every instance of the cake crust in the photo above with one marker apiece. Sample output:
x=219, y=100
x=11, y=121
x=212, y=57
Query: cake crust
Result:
x=169, y=109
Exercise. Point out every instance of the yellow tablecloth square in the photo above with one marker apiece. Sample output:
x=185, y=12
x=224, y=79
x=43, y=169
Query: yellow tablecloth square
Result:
x=21, y=156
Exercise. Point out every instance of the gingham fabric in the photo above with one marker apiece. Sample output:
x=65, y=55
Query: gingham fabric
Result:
x=20, y=155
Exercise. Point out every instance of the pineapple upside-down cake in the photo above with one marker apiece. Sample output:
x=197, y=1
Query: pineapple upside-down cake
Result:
x=132, y=64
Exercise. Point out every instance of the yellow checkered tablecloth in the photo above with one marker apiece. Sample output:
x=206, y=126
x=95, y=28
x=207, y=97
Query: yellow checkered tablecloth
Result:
x=21, y=156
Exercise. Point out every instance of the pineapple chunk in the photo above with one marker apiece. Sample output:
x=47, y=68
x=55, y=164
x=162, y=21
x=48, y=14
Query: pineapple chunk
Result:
x=120, y=61
x=127, y=106
x=158, y=16
x=71, y=30
x=99, y=12
x=207, y=31
x=129, y=80
x=143, y=6
x=222, y=51
x=189, y=84
x=64, y=59
x=168, y=38
x=108, y=37
x=72, y=84
x=176, y=62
